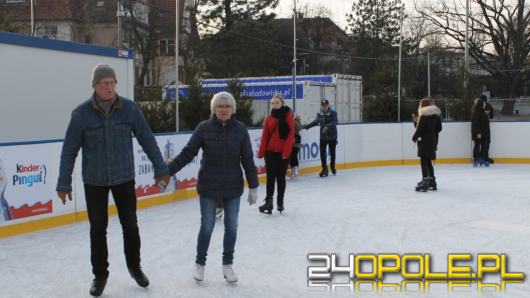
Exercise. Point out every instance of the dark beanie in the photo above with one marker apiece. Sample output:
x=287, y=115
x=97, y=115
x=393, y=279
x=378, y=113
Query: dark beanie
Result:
x=484, y=97
x=101, y=71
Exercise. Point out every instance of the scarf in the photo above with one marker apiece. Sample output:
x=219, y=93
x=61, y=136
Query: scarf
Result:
x=105, y=105
x=281, y=114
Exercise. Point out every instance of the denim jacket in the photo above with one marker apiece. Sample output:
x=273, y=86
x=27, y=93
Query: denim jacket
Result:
x=107, y=144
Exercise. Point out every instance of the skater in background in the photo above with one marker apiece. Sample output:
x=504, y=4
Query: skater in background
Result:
x=293, y=161
x=276, y=145
x=428, y=125
x=219, y=209
x=226, y=146
x=489, y=112
x=103, y=127
x=327, y=119
x=480, y=133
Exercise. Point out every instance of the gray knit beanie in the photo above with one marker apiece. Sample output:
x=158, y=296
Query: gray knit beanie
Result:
x=101, y=71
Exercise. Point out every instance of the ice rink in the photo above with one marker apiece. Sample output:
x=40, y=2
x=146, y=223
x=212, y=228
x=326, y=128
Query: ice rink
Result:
x=370, y=210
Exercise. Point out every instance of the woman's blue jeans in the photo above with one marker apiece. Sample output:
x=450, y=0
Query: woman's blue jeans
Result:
x=231, y=213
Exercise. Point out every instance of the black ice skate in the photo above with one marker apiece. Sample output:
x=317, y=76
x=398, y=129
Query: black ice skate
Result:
x=98, y=285
x=267, y=207
x=323, y=173
x=432, y=183
x=139, y=276
x=423, y=186
x=280, y=205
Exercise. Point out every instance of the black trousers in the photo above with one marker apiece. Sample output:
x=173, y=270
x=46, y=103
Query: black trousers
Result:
x=276, y=170
x=481, y=149
x=427, y=170
x=294, y=157
x=323, y=154
x=97, y=199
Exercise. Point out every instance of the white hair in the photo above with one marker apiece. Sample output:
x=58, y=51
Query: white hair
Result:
x=223, y=98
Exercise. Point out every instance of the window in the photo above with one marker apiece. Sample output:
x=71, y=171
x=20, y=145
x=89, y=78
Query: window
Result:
x=167, y=47
x=100, y=3
x=50, y=31
x=15, y=1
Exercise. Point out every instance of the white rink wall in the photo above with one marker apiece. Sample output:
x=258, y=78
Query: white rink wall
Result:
x=30, y=170
x=43, y=80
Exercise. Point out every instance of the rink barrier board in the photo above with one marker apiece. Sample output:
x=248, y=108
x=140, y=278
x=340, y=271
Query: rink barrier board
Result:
x=61, y=220
x=72, y=218
x=370, y=144
x=186, y=194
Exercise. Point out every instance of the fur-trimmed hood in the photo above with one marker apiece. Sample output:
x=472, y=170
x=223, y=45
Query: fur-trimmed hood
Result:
x=429, y=111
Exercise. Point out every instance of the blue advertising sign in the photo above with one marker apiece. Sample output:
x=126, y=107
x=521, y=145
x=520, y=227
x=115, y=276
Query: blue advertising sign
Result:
x=256, y=92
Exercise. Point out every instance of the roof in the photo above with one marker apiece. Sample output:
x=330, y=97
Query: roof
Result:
x=312, y=23
x=59, y=45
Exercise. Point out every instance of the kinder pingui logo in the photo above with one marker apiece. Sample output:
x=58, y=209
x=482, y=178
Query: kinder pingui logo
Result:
x=29, y=175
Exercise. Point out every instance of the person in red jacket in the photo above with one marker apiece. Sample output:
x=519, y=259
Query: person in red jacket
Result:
x=276, y=145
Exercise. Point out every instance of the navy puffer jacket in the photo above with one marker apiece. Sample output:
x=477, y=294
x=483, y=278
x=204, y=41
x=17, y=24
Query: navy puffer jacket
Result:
x=225, y=148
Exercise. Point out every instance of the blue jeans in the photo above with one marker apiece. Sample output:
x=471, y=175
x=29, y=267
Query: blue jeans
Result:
x=231, y=213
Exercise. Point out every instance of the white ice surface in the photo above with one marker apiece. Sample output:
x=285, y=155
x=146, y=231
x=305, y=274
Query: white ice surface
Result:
x=373, y=210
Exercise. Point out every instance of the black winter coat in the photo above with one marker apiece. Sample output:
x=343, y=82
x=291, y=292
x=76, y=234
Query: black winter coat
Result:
x=489, y=108
x=225, y=148
x=427, y=129
x=480, y=124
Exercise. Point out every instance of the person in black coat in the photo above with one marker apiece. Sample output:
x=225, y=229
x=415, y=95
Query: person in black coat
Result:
x=488, y=108
x=428, y=126
x=480, y=133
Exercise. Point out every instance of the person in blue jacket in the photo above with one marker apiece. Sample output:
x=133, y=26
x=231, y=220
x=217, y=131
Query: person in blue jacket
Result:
x=327, y=119
x=102, y=127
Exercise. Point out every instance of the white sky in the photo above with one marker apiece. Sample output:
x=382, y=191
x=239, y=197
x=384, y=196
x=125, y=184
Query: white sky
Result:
x=339, y=8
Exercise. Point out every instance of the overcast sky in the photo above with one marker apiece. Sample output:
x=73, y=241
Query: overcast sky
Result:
x=339, y=8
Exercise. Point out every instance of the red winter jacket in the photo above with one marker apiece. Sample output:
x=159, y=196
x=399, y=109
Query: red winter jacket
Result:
x=270, y=138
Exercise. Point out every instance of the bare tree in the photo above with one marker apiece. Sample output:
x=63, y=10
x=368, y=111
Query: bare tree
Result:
x=142, y=35
x=499, y=40
x=420, y=34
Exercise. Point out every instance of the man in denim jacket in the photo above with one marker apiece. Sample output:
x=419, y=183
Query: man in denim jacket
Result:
x=103, y=126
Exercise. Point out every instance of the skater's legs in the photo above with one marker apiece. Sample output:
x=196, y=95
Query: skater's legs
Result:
x=332, y=148
x=125, y=199
x=323, y=154
x=230, y=236
x=425, y=169
x=294, y=157
x=272, y=169
x=282, y=170
x=476, y=150
x=485, y=148
x=208, y=206
x=430, y=168
x=97, y=198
